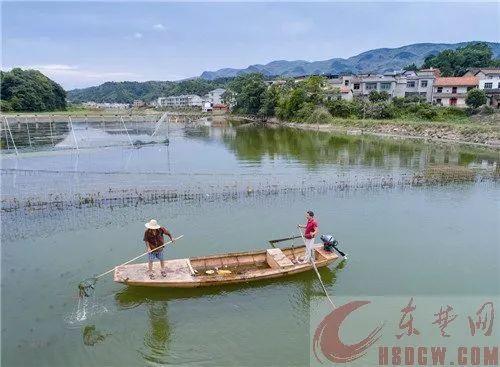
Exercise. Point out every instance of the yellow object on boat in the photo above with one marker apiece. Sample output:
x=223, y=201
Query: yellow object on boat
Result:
x=223, y=272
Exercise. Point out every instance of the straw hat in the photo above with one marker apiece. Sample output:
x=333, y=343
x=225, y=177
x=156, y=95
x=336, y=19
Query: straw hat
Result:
x=152, y=224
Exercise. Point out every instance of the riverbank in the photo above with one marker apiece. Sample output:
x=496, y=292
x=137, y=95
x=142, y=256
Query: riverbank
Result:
x=471, y=133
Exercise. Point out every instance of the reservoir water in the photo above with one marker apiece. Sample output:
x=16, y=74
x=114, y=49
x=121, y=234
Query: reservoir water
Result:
x=426, y=240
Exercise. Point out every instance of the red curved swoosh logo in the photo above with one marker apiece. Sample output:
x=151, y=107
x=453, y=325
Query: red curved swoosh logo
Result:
x=327, y=336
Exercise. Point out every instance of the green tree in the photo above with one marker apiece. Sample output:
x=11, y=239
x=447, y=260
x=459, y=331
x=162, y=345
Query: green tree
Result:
x=456, y=62
x=411, y=67
x=376, y=96
x=249, y=93
x=340, y=108
x=270, y=101
x=475, y=98
x=313, y=86
x=291, y=102
x=127, y=92
x=30, y=90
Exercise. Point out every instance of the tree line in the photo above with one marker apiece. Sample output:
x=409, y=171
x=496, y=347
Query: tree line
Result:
x=30, y=90
x=456, y=62
x=127, y=92
x=311, y=101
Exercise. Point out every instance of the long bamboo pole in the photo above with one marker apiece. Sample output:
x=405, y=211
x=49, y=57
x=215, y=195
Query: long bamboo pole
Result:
x=313, y=262
x=137, y=257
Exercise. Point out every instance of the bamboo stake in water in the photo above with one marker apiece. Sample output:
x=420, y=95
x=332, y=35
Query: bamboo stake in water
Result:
x=137, y=257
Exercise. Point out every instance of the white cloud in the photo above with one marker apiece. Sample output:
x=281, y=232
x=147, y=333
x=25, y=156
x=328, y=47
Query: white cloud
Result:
x=137, y=35
x=159, y=27
x=55, y=67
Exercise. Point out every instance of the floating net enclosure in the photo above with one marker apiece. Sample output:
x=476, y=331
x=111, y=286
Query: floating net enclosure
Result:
x=55, y=132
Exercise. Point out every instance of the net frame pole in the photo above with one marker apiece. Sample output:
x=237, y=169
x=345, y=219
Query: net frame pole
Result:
x=28, y=129
x=10, y=133
x=50, y=127
x=6, y=138
x=132, y=123
x=158, y=123
x=125, y=127
x=73, y=132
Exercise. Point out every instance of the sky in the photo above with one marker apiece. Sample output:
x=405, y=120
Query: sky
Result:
x=82, y=44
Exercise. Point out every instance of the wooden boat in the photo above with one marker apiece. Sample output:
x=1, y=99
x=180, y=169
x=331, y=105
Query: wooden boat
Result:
x=223, y=269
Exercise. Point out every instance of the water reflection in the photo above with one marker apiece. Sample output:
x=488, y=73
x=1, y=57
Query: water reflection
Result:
x=314, y=148
x=158, y=335
x=158, y=346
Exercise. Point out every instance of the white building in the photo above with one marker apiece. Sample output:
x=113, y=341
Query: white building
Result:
x=397, y=84
x=185, y=100
x=452, y=91
x=207, y=106
x=420, y=83
x=489, y=81
x=335, y=91
x=215, y=96
x=103, y=105
x=489, y=78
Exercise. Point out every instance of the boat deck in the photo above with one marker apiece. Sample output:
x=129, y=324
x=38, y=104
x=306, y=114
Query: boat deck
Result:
x=224, y=269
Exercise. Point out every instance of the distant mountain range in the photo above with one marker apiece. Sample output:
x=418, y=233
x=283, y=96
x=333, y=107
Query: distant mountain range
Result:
x=375, y=61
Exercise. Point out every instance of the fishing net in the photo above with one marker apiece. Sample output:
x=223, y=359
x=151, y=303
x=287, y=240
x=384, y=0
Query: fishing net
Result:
x=86, y=288
x=87, y=304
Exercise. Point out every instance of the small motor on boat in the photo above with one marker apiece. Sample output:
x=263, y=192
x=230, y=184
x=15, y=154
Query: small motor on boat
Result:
x=330, y=244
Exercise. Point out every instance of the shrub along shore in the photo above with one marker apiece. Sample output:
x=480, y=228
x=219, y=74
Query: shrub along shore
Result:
x=310, y=103
x=472, y=133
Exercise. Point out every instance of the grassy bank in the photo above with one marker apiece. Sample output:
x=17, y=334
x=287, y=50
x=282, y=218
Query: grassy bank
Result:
x=454, y=130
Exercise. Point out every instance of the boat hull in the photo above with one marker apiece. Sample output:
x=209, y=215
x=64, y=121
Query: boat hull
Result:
x=242, y=267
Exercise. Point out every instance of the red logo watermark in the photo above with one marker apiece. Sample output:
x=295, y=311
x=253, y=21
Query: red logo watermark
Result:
x=328, y=346
x=327, y=336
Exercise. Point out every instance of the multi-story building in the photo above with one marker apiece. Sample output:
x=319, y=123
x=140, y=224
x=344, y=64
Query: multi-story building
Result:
x=215, y=96
x=138, y=103
x=338, y=92
x=489, y=78
x=420, y=83
x=394, y=85
x=489, y=81
x=120, y=106
x=452, y=91
x=397, y=84
x=185, y=100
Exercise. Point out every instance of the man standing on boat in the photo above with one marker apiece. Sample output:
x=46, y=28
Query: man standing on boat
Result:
x=311, y=230
x=153, y=237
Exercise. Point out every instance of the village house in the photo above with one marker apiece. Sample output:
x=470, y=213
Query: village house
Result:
x=396, y=84
x=452, y=91
x=420, y=83
x=489, y=81
x=215, y=96
x=182, y=101
x=363, y=85
x=138, y=103
x=106, y=105
x=207, y=106
x=338, y=92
